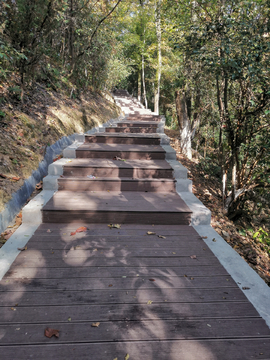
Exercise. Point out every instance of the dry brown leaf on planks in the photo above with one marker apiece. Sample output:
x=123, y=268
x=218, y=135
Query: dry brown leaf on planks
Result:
x=51, y=332
x=162, y=237
x=150, y=233
x=96, y=324
x=193, y=257
x=116, y=226
x=23, y=248
x=80, y=229
x=127, y=357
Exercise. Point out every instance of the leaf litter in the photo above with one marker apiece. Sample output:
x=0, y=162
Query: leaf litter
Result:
x=80, y=229
x=116, y=226
x=95, y=324
x=51, y=332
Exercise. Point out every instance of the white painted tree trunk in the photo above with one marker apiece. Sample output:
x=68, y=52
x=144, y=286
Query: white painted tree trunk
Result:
x=159, y=59
x=184, y=123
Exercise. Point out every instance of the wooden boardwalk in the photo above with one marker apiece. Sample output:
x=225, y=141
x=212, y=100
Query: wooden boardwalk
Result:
x=148, y=289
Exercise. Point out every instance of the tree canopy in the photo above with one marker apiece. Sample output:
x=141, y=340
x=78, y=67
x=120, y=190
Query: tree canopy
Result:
x=203, y=64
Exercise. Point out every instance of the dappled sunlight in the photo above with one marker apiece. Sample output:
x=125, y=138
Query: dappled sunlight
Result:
x=191, y=350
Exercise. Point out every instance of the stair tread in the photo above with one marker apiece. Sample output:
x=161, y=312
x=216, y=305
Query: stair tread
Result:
x=125, y=135
x=120, y=147
x=116, y=201
x=128, y=164
x=75, y=178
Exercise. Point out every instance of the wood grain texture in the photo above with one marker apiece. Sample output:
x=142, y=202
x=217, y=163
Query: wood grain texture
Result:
x=156, y=296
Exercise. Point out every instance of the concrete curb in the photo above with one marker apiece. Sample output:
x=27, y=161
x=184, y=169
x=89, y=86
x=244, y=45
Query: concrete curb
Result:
x=257, y=292
x=19, y=198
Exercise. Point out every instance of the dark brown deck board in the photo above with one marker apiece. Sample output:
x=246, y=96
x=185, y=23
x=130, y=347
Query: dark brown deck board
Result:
x=173, y=350
x=114, y=312
x=78, y=332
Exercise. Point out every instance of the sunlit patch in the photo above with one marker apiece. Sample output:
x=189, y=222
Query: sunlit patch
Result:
x=71, y=257
x=190, y=350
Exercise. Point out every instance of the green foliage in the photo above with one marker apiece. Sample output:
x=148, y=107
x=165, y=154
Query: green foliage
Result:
x=262, y=236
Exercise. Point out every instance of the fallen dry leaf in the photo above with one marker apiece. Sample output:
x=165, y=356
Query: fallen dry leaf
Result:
x=96, y=324
x=23, y=248
x=204, y=237
x=51, y=332
x=162, y=237
x=15, y=178
x=39, y=185
x=127, y=357
x=49, y=231
x=152, y=280
x=214, y=240
x=3, y=176
x=193, y=257
x=81, y=229
x=245, y=288
x=116, y=226
x=150, y=233
x=149, y=302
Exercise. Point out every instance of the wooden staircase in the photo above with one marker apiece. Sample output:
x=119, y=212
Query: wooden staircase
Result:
x=119, y=177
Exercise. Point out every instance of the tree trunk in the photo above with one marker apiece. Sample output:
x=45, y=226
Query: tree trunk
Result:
x=159, y=59
x=139, y=85
x=143, y=83
x=184, y=123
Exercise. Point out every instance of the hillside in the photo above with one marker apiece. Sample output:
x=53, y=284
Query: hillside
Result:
x=46, y=115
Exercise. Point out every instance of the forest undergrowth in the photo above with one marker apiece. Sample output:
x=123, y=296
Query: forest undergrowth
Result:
x=27, y=129
x=244, y=236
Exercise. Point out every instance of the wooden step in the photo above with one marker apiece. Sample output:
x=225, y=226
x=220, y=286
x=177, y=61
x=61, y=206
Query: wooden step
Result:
x=127, y=207
x=123, y=151
x=132, y=130
x=115, y=184
x=123, y=138
x=151, y=169
x=147, y=124
x=134, y=117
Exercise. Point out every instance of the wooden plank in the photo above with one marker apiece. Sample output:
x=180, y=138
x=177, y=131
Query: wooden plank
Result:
x=128, y=283
x=137, y=330
x=125, y=230
x=121, y=147
x=35, y=257
x=57, y=216
x=116, y=184
x=130, y=242
x=22, y=296
x=137, y=130
x=46, y=272
x=249, y=349
x=118, y=252
x=132, y=155
x=130, y=164
x=130, y=312
x=120, y=138
x=139, y=202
